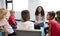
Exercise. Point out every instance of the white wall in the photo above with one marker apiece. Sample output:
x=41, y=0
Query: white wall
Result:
x=32, y=5
x=51, y=5
x=2, y=4
x=18, y=6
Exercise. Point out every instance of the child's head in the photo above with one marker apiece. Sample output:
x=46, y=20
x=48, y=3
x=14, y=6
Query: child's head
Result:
x=58, y=14
x=25, y=15
x=12, y=12
x=51, y=15
x=39, y=10
x=3, y=13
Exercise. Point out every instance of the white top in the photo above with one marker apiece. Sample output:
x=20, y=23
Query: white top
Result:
x=40, y=19
x=6, y=25
x=27, y=25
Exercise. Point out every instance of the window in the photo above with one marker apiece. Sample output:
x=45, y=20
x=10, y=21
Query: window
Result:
x=9, y=4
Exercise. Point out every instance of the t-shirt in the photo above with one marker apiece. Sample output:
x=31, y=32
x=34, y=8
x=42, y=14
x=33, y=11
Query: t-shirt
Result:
x=55, y=28
x=27, y=25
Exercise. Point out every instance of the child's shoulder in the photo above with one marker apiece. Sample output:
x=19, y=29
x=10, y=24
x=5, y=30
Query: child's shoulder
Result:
x=53, y=22
x=3, y=22
x=29, y=22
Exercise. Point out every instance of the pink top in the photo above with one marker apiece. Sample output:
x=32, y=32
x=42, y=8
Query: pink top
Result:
x=55, y=28
x=6, y=25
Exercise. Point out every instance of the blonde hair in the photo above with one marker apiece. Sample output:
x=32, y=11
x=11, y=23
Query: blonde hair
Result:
x=3, y=13
x=12, y=11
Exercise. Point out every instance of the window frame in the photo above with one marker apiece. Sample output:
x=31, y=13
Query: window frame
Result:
x=9, y=2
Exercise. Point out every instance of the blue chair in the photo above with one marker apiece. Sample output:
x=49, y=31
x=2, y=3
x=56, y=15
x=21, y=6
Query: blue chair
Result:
x=0, y=33
x=43, y=28
x=42, y=31
x=46, y=27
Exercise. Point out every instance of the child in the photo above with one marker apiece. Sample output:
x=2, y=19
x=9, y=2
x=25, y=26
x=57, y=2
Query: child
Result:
x=58, y=16
x=26, y=23
x=4, y=25
x=40, y=17
x=54, y=27
x=12, y=21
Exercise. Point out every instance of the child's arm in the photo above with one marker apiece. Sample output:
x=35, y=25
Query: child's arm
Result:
x=49, y=30
x=8, y=28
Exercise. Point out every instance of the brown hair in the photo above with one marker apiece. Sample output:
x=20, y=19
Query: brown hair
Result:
x=42, y=11
x=52, y=14
x=25, y=15
x=57, y=12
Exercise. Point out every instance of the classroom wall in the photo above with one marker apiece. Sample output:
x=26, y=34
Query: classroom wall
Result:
x=20, y=5
x=32, y=5
x=2, y=3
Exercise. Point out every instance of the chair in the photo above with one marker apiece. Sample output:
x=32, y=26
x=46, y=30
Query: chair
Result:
x=28, y=33
x=0, y=33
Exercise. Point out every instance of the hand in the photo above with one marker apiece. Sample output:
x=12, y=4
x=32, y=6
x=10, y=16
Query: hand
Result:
x=47, y=34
